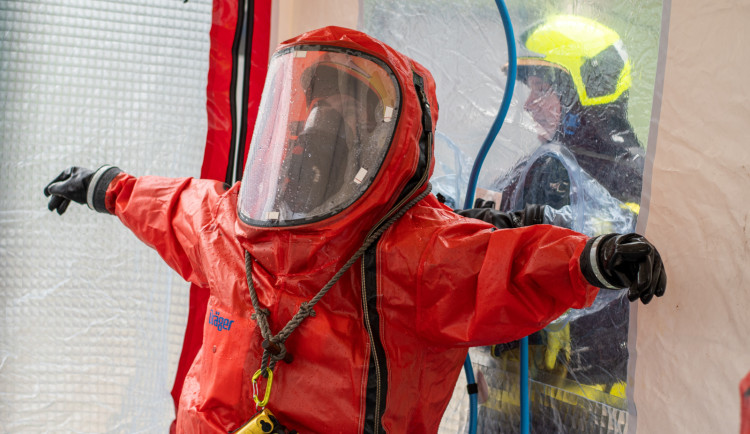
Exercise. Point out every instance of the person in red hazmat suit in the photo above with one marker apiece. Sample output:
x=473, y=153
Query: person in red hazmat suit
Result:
x=344, y=296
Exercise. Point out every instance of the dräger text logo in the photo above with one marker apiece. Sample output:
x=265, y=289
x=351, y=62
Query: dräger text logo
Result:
x=216, y=320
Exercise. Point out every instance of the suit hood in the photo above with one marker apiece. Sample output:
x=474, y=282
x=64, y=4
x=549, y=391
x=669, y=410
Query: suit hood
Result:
x=300, y=245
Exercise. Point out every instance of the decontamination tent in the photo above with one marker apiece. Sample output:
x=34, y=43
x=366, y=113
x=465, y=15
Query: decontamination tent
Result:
x=94, y=325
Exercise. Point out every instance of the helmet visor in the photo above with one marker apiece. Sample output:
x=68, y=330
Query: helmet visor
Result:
x=325, y=123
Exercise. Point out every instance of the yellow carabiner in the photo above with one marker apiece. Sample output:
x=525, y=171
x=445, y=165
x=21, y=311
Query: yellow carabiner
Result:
x=264, y=402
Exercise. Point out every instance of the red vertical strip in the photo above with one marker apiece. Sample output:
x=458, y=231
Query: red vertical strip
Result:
x=258, y=65
x=745, y=405
x=192, y=341
x=219, y=137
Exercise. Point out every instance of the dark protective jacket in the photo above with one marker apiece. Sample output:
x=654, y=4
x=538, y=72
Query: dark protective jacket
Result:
x=606, y=147
x=386, y=345
x=603, y=144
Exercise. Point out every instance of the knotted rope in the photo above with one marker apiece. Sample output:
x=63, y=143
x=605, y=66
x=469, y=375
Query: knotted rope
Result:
x=260, y=316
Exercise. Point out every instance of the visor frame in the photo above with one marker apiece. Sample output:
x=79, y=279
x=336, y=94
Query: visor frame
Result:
x=388, y=147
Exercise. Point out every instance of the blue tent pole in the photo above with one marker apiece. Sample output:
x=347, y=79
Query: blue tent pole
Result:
x=469, y=202
x=473, y=404
x=524, y=398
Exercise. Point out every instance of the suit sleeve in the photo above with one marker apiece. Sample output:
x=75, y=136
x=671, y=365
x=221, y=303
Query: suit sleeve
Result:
x=481, y=286
x=167, y=214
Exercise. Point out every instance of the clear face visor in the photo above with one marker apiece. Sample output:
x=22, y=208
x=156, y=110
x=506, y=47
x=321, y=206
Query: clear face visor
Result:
x=325, y=123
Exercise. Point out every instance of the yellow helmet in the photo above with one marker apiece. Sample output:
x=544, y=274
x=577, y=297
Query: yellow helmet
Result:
x=592, y=54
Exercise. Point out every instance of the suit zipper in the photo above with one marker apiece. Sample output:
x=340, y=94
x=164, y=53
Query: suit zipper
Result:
x=427, y=130
x=373, y=350
x=238, y=93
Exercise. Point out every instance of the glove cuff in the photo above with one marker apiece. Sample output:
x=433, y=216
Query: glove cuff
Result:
x=591, y=267
x=97, y=190
x=534, y=215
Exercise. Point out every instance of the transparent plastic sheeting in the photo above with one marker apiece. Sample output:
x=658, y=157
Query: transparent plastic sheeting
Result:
x=92, y=320
x=579, y=364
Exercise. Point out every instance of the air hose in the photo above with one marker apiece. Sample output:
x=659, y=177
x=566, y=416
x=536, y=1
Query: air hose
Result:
x=469, y=202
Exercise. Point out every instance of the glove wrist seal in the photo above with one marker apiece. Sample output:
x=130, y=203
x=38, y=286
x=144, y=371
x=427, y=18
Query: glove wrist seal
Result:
x=97, y=190
x=534, y=215
x=590, y=266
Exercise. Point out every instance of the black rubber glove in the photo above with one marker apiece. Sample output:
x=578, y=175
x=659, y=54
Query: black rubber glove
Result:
x=530, y=215
x=80, y=185
x=629, y=261
x=71, y=184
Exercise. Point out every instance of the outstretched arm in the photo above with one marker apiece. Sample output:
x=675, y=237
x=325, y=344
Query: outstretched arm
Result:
x=480, y=286
x=164, y=213
x=611, y=261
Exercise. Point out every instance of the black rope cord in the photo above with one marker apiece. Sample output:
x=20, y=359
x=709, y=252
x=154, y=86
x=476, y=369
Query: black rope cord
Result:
x=270, y=358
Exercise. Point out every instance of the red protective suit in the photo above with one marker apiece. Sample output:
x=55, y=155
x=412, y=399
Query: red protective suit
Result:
x=388, y=341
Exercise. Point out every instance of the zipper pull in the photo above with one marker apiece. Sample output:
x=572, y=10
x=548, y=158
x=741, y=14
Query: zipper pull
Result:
x=426, y=114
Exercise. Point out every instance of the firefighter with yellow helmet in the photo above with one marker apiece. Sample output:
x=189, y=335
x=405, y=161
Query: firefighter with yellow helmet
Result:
x=578, y=74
